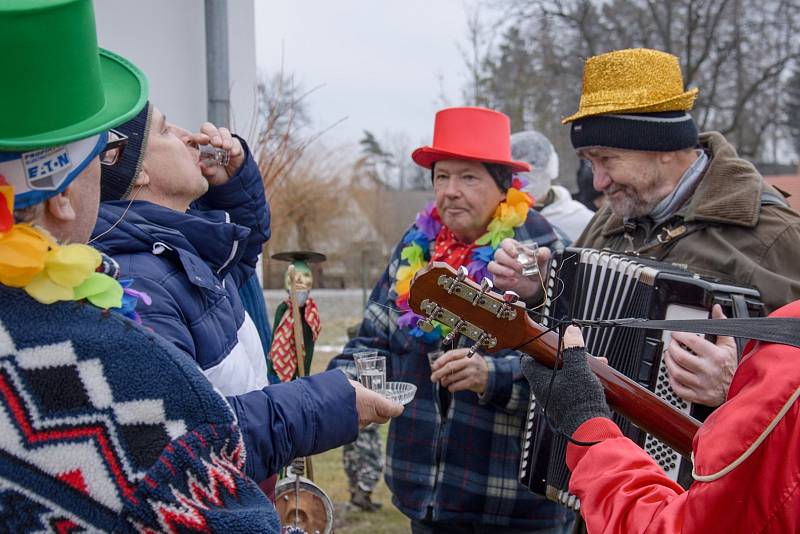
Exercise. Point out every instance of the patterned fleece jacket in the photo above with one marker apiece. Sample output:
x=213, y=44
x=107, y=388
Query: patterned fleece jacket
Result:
x=461, y=466
x=107, y=427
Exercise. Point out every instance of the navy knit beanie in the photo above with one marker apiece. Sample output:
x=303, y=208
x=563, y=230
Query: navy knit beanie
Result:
x=117, y=181
x=657, y=132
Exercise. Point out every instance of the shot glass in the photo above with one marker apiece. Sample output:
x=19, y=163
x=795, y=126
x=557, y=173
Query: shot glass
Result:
x=211, y=155
x=526, y=256
x=372, y=372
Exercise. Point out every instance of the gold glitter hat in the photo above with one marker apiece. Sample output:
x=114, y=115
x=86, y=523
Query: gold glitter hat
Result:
x=636, y=80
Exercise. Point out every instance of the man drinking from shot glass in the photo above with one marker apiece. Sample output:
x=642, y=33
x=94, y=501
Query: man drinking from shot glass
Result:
x=188, y=229
x=452, y=459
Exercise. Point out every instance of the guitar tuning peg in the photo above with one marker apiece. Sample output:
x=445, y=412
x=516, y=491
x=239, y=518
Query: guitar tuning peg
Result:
x=509, y=298
x=454, y=332
x=486, y=285
x=461, y=275
x=477, y=345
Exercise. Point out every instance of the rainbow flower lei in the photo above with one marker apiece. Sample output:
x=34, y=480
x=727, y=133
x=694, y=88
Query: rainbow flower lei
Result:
x=416, y=254
x=32, y=260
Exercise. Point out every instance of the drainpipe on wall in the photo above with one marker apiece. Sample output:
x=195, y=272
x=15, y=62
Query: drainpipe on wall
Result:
x=217, y=78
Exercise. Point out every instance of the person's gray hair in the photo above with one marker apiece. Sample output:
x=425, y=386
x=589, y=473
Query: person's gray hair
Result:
x=29, y=214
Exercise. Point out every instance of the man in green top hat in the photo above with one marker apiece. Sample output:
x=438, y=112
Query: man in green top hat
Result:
x=105, y=426
x=58, y=105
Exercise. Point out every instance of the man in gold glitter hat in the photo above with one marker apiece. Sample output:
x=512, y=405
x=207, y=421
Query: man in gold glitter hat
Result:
x=683, y=197
x=677, y=196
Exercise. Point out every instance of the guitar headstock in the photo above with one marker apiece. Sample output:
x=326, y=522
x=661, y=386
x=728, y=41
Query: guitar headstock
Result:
x=494, y=321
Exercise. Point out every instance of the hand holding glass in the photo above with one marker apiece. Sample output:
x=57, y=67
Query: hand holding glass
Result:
x=211, y=155
x=526, y=256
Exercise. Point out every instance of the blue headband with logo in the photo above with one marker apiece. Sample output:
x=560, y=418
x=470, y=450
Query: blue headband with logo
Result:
x=39, y=174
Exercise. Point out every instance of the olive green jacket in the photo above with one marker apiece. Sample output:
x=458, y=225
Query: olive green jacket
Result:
x=734, y=225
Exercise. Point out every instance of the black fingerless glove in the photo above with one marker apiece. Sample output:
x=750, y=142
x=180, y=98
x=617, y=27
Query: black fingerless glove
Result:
x=576, y=395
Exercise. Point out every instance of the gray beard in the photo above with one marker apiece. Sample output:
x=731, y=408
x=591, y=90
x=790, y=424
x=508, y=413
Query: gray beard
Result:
x=630, y=207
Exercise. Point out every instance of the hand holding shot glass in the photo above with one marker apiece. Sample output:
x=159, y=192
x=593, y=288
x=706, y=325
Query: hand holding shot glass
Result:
x=220, y=153
x=521, y=267
x=455, y=371
x=527, y=252
x=211, y=156
x=371, y=368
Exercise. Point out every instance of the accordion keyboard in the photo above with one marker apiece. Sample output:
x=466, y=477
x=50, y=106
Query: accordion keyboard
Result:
x=587, y=284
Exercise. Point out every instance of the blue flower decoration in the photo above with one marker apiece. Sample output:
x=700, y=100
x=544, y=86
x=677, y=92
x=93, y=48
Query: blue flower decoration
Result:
x=484, y=254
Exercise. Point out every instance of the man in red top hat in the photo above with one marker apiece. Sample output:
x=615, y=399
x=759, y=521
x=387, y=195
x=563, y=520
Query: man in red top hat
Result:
x=453, y=456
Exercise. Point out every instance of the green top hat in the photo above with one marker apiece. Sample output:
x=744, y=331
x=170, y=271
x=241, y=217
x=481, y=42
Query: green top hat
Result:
x=57, y=85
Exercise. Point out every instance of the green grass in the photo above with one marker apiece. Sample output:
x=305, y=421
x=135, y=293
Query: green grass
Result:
x=330, y=476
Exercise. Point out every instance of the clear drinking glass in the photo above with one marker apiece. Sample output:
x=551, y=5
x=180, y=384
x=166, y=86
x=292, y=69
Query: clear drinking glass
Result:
x=211, y=155
x=364, y=354
x=372, y=372
x=526, y=256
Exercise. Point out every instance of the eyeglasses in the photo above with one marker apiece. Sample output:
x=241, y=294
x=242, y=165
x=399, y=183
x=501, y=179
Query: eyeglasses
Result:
x=112, y=153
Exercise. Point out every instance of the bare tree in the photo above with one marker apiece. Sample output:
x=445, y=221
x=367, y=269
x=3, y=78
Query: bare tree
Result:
x=792, y=110
x=387, y=161
x=309, y=202
x=305, y=188
x=738, y=52
x=475, y=54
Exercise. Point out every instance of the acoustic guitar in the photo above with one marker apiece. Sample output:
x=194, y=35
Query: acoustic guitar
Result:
x=497, y=322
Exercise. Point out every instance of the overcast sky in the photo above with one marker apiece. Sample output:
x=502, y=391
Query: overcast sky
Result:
x=379, y=61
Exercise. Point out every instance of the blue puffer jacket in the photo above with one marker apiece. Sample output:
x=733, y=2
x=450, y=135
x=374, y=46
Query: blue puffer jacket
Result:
x=192, y=264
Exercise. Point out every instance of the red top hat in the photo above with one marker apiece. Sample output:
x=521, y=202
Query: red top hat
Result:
x=477, y=134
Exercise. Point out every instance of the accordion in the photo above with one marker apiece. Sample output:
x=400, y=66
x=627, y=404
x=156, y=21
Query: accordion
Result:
x=595, y=285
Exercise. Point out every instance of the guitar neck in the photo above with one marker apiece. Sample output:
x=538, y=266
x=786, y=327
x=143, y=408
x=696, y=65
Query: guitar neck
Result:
x=639, y=405
x=494, y=322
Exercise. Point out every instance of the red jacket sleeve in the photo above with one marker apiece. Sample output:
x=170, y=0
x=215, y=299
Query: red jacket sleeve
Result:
x=620, y=487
